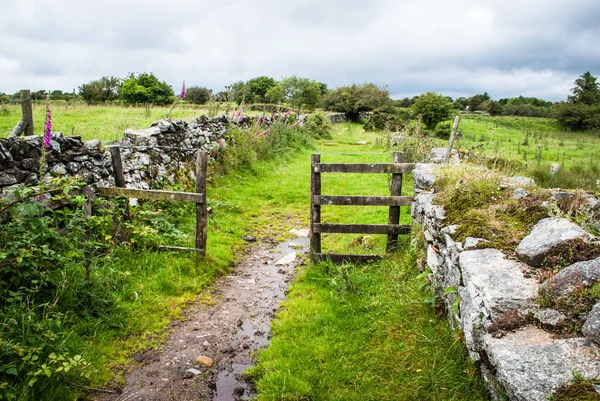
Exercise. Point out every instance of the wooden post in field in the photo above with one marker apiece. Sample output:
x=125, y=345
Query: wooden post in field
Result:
x=201, y=210
x=117, y=165
x=315, y=209
x=394, y=215
x=451, y=141
x=27, y=111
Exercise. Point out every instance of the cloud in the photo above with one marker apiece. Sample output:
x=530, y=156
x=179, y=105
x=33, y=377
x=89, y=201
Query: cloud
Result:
x=456, y=47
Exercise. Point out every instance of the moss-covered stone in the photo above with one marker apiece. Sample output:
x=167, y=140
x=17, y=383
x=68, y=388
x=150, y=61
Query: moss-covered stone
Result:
x=581, y=390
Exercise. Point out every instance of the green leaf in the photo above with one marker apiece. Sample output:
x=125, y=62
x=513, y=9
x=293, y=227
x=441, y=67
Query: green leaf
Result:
x=450, y=290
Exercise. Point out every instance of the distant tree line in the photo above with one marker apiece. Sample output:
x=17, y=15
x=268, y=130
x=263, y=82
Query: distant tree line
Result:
x=581, y=111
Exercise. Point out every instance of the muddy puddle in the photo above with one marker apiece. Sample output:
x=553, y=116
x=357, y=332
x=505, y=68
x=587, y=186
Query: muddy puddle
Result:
x=206, y=355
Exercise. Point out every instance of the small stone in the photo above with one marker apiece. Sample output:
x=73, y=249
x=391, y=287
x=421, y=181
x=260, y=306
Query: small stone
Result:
x=302, y=233
x=471, y=243
x=550, y=317
x=518, y=193
x=193, y=371
x=249, y=238
x=361, y=142
x=204, y=360
x=521, y=181
x=554, y=168
x=287, y=259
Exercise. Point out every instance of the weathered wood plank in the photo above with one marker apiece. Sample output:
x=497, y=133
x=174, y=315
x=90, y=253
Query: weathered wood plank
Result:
x=394, y=213
x=117, y=165
x=27, y=111
x=201, y=211
x=315, y=209
x=341, y=258
x=153, y=194
x=180, y=249
x=451, y=140
x=361, y=228
x=397, y=168
x=363, y=200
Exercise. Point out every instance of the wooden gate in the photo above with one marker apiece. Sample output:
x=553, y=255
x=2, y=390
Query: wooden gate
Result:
x=198, y=197
x=394, y=201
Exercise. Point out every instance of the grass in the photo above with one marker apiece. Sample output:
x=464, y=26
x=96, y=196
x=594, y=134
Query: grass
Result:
x=362, y=332
x=531, y=145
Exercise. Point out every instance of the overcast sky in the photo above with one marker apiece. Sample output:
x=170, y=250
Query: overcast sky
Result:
x=455, y=47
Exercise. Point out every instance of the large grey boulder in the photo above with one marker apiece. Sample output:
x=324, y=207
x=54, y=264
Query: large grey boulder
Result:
x=531, y=365
x=519, y=181
x=568, y=279
x=546, y=235
x=423, y=176
x=497, y=281
x=591, y=327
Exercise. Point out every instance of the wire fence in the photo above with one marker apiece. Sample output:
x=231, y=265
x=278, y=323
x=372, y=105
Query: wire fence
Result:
x=15, y=101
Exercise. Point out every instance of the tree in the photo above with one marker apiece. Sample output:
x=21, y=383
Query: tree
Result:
x=475, y=101
x=356, y=99
x=432, y=108
x=301, y=92
x=259, y=86
x=197, y=94
x=105, y=89
x=586, y=90
x=146, y=88
x=493, y=107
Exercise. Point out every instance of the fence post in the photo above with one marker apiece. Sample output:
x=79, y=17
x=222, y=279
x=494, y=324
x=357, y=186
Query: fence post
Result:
x=201, y=210
x=27, y=111
x=117, y=165
x=394, y=215
x=451, y=140
x=315, y=210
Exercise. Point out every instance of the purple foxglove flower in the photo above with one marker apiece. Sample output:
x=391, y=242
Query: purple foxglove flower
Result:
x=264, y=133
x=48, y=126
x=239, y=113
x=259, y=120
x=233, y=114
x=182, y=94
x=286, y=114
x=298, y=123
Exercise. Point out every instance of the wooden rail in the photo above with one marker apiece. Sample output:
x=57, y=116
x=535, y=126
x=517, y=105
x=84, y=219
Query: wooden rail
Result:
x=394, y=201
x=198, y=197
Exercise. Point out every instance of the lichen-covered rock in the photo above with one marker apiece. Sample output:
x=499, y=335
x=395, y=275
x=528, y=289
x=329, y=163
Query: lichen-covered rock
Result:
x=591, y=327
x=531, y=365
x=546, y=235
x=565, y=282
x=497, y=281
x=471, y=243
x=438, y=156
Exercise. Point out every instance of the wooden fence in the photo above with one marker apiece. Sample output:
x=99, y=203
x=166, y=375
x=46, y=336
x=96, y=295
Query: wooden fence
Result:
x=198, y=197
x=394, y=201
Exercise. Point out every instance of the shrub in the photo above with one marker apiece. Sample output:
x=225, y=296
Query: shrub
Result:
x=105, y=89
x=318, y=126
x=442, y=130
x=380, y=121
x=146, y=89
x=432, y=108
x=197, y=95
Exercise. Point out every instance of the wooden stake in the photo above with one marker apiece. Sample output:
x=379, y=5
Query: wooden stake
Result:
x=315, y=209
x=27, y=111
x=117, y=165
x=394, y=214
x=201, y=210
x=451, y=141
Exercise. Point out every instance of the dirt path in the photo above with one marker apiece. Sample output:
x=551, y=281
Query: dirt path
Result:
x=227, y=332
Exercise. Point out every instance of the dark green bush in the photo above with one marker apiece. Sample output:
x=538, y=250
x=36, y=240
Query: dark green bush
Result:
x=379, y=121
x=442, y=130
x=318, y=126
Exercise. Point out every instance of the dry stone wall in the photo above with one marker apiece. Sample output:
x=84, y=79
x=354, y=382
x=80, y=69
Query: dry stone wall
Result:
x=151, y=157
x=499, y=311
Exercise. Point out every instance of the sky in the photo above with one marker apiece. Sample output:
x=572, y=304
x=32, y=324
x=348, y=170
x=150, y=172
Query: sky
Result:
x=455, y=47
